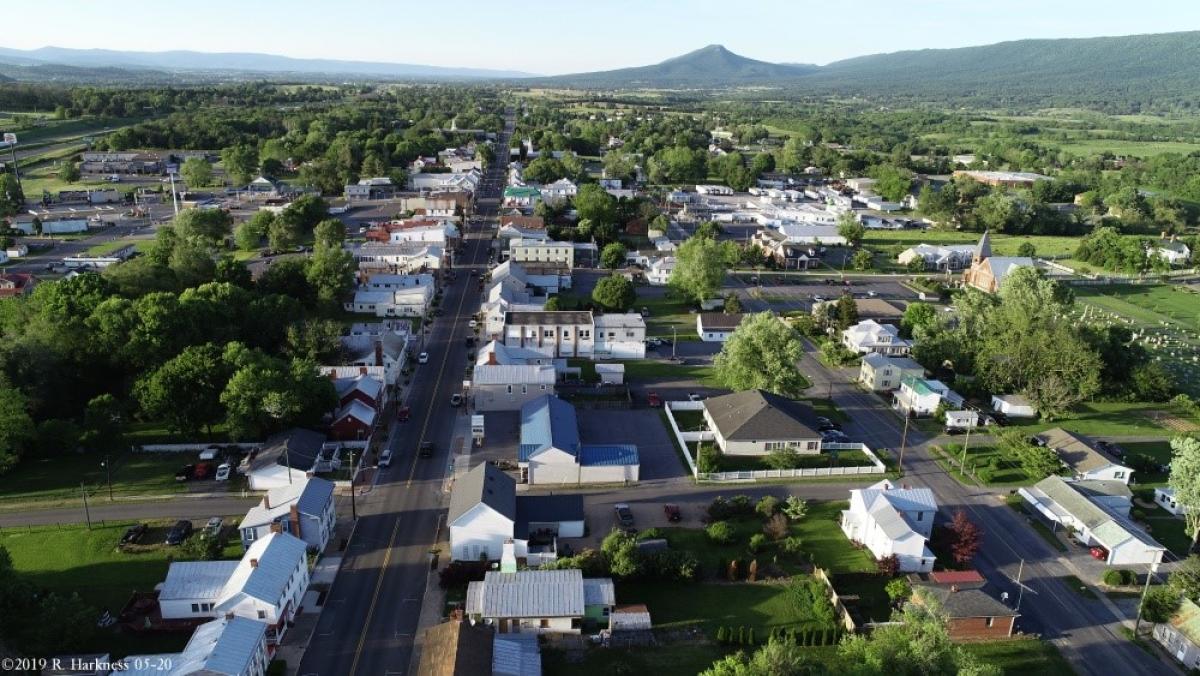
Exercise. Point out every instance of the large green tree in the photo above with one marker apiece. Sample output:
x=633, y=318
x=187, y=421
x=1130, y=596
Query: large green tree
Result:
x=186, y=390
x=1184, y=479
x=240, y=162
x=850, y=229
x=916, y=644
x=700, y=265
x=613, y=256
x=196, y=172
x=16, y=425
x=762, y=353
x=595, y=204
x=614, y=293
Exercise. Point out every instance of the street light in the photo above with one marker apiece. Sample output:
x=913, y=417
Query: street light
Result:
x=107, y=465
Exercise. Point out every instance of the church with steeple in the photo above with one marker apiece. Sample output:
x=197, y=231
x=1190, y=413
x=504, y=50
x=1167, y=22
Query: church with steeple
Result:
x=987, y=272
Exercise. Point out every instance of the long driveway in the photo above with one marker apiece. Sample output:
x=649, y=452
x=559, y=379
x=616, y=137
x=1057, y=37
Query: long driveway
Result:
x=370, y=618
x=1087, y=632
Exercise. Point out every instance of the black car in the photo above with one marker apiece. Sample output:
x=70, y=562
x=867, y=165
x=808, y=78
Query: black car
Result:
x=133, y=534
x=185, y=473
x=426, y=449
x=179, y=532
x=834, y=437
x=625, y=517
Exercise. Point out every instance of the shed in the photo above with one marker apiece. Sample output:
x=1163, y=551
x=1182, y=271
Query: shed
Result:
x=611, y=374
x=630, y=617
x=1013, y=406
x=962, y=420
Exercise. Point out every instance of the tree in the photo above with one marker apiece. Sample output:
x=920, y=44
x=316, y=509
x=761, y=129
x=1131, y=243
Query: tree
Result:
x=331, y=273
x=850, y=229
x=862, y=260
x=1160, y=604
x=782, y=458
x=595, y=204
x=708, y=460
x=810, y=599
x=329, y=233
x=719, y=532
x=622, y=553
x=777, y=658
x=69, y=171
x=614, y=293
x=613, y=256
x=249, y=235
x=891, y=183
x=762, y=353
x=847, y=311
x=1152, y=382
x=1038, y=462
x=619, y=165
x=1027, y=249
x=207, y=227
x=16, y=425
x=733, y=305
x=700, y=265
x=898, y=590
x=1185, y=579
x=196, y=172
x=917, y=644
x=283, y=235
x=12, y=198
x=1184, y=479
x=709, y=229
x=240, y=162
x=185, y=392
x=102, y=424
x=965, y=538
x=917, y=316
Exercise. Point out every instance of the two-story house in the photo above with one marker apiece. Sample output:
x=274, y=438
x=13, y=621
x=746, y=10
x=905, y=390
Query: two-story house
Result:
x=921, y=396
x=560, y=333
x=871, y=336
x=620, y=335
x=881, y=373
x=889, y=520
x=305, y=509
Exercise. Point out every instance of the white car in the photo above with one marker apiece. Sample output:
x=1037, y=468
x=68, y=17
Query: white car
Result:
x=472, y=323
x=385, y=458
x=223, y=472
x=423, y=358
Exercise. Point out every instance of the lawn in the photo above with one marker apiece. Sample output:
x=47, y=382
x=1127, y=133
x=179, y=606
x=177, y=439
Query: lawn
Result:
x=1021, y=656
x=58, y=478
x=823, y=539
x=661, y=660
x=1106, y=419
x=985, y=464
x=139, y=245
x=892, y=242
x=1158, y=451
x=1076, y=585
x=751, y=463
x=1096, y=146
x=762, y=606
x=668, y=312
x=1168, y=529
x=647, y=369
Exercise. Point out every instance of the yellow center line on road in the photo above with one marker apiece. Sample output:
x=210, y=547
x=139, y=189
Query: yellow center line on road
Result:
x=387, y=557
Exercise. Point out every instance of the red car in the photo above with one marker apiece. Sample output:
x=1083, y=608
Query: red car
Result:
x=653, y=400
x=672, y=512
x=403, y=413
x=1099, y=553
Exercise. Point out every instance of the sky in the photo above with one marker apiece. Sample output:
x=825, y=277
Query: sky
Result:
x=573, y=35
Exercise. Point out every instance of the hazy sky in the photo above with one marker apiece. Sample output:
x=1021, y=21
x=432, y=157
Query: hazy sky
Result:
x=572, y=35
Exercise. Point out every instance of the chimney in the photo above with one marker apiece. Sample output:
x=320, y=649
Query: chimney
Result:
x=492, y=358
x=276, y=528
x=953, y=588
x=254, y=563
x=295, y=514
x=362, y=370
x=379, y=353
x=267, y=500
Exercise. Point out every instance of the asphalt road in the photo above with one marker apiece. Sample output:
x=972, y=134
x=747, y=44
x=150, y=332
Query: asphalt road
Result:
x=371, y=613
x=1087, y=632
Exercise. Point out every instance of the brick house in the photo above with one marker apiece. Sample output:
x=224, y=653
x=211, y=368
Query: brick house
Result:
x=972, y=612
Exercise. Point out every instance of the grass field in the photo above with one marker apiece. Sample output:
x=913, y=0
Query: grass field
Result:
x=58, y=478
x=1096, y=146
x=824, y=540
x=747, y=463
x=1166, y=317
x=1169, y=530
x=709, y=606
x=645, y=369
x=667, y=313
x=1107, y=418
x=892, y=242
x=661, y=660
x=1007, y=470
x=1158, y=451
x=139, y=245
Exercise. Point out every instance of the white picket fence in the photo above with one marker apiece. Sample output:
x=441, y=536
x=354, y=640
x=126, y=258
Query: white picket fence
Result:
x=683, y=438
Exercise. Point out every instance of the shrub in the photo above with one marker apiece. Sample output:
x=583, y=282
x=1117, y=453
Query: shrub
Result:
x=776, y=527
x=459, y=573
x=757, y=542
x=1117, y=577
x=792, y=545
x=888, y=566
x=794, y=508
x=649, y=534
x=708, y=460
x=720, y=532
x=767, y=506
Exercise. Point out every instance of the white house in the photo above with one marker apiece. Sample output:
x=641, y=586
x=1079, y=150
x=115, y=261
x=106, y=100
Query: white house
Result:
x=1013, y=406
x=1173, y=251
x=283, y=459
x=658, y=272
x=229, y=646
x=559, y=333
x=893, y=521
x=541, y=251
x=485, y=513
x=716, y=327
x=266, y=585
x=1084, y=461
x=390, y=282
x=714, y=190
x=380, y=344
x=620, y=335
x=304, y=509
x=755, y=422
x=1089, y=509
x=939, y=257
x=921, y=396
x=442, y=234
x=881, y=373
x=538, y=601
x=559, y=191
x=406, y=257
x=1180, y=635
x=550, y=451
x=871, y=336
x=812, y=234
x=497, y=386
x=1164, y=496
x=406, y=301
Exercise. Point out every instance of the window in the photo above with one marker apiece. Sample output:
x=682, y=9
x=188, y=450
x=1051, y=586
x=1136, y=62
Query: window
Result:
x=549, y=333
x=920, y=515
x=1118, y=475
x=524, y=389
x=509, y=389
x=544, y=624
x=989, y=621
x=262, y=614
x=195, y=607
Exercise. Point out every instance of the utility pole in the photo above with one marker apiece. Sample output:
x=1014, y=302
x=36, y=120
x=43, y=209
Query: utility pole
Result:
x=903, y=443
x=674, y=337
x=87, y=514
x=108, y=470
x=287, y=460
x=1141, y=604
x=1020, y=587
x=353, y=475
x=963, y=465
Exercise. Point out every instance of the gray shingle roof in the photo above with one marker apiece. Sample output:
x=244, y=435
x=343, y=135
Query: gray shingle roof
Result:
x=718, y=321
x=960, y=601
x=1079, y=455
x=554, y=317
x=302, y=447
x=760, y=415
x=484, y=484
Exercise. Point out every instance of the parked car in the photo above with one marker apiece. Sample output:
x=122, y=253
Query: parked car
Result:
x=624, y=517
x=423, y=358
x=179, y=532
x=653, y=400
x=825, y=424
x=456, y=400
x=213, y=526
x=951, y=431
x=385, y=458
x=426, y=449
x=223, y=472
x=834, y=437
x=673, y=513
x=403, y=413
x=1099, y=553
x=470, y=341
x=204, y=470
x=695, y=396
x=185, y=473
x=472, y=324
x=133, y=534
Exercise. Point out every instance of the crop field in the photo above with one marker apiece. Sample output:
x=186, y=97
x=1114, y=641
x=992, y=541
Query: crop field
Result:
x=1165, y=319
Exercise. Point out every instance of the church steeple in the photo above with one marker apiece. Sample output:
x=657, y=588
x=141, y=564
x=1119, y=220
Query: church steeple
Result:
x=984, y=248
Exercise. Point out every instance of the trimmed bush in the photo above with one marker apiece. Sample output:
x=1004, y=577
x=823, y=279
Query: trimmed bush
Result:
x=757, y=542
x=720, y=532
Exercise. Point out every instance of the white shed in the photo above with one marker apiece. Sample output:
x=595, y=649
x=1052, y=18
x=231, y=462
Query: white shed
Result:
x=1165, y=497
x=962, y=420
x=1013, y=406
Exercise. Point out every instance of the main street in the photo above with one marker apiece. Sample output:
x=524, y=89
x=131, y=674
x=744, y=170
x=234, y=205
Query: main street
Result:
x=369, y=621
x=1087, y=632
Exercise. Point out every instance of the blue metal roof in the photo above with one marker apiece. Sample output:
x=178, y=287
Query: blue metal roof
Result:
x=548, y=422
x=316, y=495
x=608, y=454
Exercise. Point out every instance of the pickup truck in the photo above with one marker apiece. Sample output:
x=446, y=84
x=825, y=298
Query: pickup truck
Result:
x=624, y=517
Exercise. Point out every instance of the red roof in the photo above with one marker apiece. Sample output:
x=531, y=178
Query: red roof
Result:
x=956, y=576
